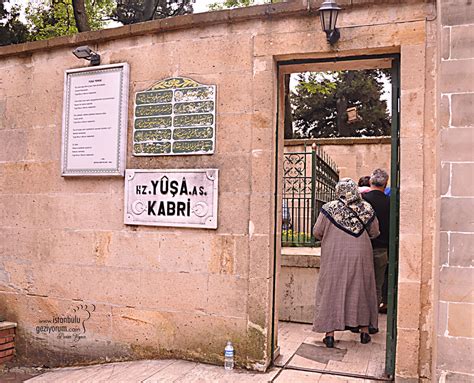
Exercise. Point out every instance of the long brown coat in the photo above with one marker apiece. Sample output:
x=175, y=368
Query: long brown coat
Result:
x=346, y=294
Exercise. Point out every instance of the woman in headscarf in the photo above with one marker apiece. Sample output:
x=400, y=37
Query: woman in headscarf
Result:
x=346, y=296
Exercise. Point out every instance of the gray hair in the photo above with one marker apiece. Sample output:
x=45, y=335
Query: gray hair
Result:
x=379, y=177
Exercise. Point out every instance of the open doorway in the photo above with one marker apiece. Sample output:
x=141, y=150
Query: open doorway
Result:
x=340, y=118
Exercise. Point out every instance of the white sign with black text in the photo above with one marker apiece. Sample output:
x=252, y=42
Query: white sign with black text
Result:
x=95, y=112
x=171, y=197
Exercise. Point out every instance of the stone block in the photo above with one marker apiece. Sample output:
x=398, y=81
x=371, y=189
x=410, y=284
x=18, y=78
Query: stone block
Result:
x=455, y=214
x=223, y=253
x=408, y=305
x=242, y=257
x=234, y=133
x=14, y=145
x=234, y=173
x=455, y=284
x=460, y=320
x=21, y=243
x=456, y=13
x=259, y=306
x=445, y=42
x=445, y=178
x=263, y=170
x=233, y=213
x=442, y=318
x=232, y=52
x=38, y=151
x=456, y=144
x=444, y=248
x=410, y=257
x=411, y=209
x=175, y=252
x=412, y=117
x=261, y=213
x=407, y=361
x=444, y=112
x=452, y=353
x=227, y=296
x=453, y=377
x=261, y=256
x=189, y=291
x=461, y=182
x=461, y=41
x=460, y=249
x=411, y=163
x=143, y=328
x=413, y=73
x=457, y=76
x=463, y=105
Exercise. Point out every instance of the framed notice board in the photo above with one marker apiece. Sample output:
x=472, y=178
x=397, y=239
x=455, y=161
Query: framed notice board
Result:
x=94, y=139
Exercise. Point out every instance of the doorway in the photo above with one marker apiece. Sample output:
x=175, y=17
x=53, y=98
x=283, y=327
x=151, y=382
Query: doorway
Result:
x=295, y=346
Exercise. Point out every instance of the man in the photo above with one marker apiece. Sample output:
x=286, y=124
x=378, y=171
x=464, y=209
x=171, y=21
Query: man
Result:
x=381, y=204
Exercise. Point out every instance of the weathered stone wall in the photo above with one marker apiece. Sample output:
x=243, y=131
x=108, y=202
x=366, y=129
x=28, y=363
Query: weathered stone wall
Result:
x=184, y=292
x=354, y=157
x=455, y=273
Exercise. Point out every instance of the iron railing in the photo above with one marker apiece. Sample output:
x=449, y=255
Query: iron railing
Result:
x=309, y=181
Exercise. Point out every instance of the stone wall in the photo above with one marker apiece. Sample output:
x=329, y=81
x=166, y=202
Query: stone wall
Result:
x=156, y=292
x=354, y=157
x=455, y=273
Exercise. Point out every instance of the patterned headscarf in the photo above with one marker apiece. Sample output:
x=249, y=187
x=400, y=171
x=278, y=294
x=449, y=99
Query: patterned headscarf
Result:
x=349, y=212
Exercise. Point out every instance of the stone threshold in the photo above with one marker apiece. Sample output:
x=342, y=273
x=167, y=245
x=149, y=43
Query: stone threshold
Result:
x=304, y=257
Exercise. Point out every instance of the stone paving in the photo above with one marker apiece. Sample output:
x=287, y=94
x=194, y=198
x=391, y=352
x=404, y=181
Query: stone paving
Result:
x=300, y=348
x=164, y=371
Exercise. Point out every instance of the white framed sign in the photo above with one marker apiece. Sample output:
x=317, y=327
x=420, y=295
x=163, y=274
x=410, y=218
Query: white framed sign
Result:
x=171, y=197
x=95, y=110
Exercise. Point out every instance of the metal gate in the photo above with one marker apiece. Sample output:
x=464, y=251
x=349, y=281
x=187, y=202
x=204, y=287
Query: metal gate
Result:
x=309, y=181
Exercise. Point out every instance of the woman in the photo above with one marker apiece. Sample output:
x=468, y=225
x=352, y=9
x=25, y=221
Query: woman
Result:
x=346, y=296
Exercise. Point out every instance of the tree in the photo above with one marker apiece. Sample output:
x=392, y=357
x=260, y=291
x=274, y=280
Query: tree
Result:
x=321, y=101
x=54, y=18
x=12, y=30
x=229, y=4
x=136, y=11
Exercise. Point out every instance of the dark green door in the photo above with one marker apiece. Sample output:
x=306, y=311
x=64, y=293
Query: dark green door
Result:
x=394, y=223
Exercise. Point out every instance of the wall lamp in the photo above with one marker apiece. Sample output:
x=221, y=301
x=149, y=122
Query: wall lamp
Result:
x=86, y=53
x=328, y=13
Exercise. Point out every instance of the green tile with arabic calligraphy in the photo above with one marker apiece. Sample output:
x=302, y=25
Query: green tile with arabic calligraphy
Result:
x=194, y=107
x=153, y=110
x=196, y=94
x=192, y=133
x=192, y=146
x=152, y=148
x=192, y=120
x=153, y=123
x=154, y=97
x=152, y=135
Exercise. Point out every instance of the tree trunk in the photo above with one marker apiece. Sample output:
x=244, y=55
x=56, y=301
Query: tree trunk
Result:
x=149, y=10
x=80, y=15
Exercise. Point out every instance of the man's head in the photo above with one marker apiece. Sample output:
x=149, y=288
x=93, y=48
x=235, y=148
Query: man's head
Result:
x=379, y=179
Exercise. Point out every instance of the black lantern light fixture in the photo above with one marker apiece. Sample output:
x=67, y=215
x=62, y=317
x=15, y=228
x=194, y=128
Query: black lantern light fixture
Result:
x=86, y=53
x=328, y=13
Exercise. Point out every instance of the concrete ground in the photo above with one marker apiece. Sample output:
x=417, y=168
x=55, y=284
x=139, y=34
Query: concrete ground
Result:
x=164, y=371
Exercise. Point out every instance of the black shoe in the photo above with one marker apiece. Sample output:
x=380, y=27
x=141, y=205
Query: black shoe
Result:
x=355, y=330
x=364, y=338
x=373, y=330
x=329, y=341
x=383, y=309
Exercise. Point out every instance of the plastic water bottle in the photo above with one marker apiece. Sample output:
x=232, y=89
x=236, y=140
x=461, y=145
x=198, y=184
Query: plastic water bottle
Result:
x=229, y=356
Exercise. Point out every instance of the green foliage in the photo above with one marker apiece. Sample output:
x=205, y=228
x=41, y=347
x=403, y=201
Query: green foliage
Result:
x=136, y=11
x=228, y=4
x=294, y=238
x=54, y=18
x=320, y=102
x=12, y=30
